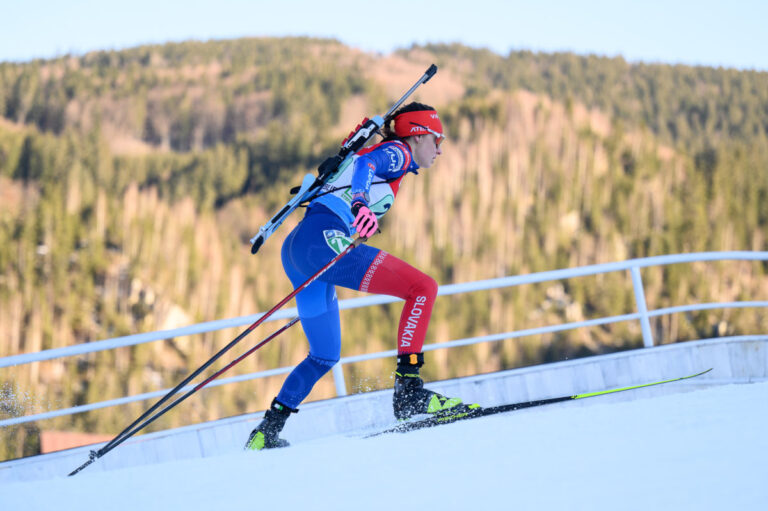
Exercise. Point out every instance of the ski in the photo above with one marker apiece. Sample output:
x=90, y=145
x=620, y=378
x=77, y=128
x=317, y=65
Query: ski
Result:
x=493, y=410
x=310, y=186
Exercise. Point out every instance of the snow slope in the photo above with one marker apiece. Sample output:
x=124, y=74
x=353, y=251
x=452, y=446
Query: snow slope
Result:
x=694, y=450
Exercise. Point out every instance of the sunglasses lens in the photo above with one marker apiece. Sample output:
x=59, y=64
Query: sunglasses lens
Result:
x=439, y=137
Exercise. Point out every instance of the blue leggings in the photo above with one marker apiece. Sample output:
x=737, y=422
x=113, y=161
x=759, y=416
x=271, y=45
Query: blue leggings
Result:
x=318, y=238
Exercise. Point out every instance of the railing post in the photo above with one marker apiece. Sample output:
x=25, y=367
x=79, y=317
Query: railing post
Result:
x=642, y=306
x=338, y=378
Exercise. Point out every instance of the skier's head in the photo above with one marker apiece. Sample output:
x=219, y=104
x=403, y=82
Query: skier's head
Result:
x=419, y=126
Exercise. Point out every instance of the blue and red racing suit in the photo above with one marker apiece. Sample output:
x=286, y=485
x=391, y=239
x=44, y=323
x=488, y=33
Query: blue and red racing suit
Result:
x=372, y=177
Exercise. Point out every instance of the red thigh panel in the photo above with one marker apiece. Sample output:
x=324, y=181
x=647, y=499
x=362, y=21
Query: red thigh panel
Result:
x=389, y=275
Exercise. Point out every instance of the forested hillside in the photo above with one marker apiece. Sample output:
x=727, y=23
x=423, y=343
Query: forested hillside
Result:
x=130, y=182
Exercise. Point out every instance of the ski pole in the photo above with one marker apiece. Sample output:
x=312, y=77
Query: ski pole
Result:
x=133, y=429
x=149, y=420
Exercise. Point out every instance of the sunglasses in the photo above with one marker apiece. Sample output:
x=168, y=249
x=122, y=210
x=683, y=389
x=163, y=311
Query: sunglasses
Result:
x=439, y=137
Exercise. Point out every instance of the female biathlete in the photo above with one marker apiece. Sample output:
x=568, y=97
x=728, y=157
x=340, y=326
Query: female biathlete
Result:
x=361, y=193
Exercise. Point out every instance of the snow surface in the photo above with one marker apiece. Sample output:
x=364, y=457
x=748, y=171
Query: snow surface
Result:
x=699, y=450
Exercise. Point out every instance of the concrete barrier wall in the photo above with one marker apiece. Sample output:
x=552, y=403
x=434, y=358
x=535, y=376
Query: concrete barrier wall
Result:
x=736, y=360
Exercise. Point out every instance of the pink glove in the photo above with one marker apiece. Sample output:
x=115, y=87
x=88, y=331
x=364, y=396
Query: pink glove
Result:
x=365, y=221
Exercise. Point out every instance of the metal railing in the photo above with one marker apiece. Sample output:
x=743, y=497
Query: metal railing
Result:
x=642, y=315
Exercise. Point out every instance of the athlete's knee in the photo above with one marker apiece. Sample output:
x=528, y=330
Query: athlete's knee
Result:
x=322, y=365
x=424, y=285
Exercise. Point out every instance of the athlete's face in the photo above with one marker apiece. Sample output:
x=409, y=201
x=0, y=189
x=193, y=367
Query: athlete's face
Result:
x=425, y=149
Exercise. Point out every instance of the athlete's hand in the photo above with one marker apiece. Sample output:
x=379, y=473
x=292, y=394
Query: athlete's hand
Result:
x=365, y=222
